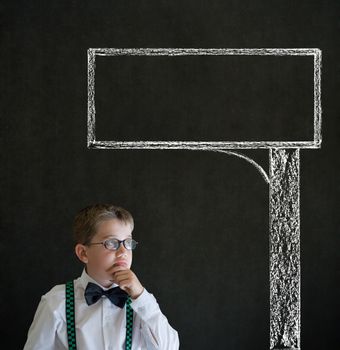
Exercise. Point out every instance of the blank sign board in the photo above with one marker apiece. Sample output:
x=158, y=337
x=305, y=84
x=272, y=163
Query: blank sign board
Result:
x=193, y=98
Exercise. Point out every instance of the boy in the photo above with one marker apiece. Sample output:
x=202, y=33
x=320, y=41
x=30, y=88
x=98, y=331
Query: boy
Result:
x=111, y=310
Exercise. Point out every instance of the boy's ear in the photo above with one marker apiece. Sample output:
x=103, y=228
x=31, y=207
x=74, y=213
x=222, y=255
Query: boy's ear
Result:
x=81, y=253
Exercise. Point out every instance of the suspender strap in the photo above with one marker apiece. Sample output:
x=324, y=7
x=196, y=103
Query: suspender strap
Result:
x=129, y=324
x=71, y=333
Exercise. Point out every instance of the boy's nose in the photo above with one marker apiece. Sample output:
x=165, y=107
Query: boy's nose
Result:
x=121, y=250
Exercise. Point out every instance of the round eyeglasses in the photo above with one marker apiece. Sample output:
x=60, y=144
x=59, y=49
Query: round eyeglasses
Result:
x=114, y=243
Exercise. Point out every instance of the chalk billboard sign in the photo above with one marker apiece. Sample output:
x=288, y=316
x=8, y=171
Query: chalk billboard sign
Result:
x=214, y=101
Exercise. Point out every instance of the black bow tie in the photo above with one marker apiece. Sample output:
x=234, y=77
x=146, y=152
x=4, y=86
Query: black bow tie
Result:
x=93, y=293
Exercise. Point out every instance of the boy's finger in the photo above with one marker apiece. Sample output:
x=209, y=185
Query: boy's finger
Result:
x=119, y=279
x=122, y=279
x=116, y=268
x=119, y=274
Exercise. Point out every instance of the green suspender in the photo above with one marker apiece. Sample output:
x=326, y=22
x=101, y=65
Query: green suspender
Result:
x=129, y=323
x=71, y=333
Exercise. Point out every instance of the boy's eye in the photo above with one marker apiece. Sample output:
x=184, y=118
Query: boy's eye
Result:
x=112, y=243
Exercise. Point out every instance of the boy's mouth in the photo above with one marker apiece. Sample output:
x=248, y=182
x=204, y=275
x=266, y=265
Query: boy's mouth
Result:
x=120, y=263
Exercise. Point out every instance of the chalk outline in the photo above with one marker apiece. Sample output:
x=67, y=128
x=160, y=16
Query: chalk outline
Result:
x=93, y=143
x=284, y=189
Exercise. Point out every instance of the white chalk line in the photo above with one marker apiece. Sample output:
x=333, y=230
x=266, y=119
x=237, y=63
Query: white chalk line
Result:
x=92, y=52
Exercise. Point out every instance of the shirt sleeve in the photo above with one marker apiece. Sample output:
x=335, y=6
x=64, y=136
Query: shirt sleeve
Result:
x=155, y=328
x=42, y=333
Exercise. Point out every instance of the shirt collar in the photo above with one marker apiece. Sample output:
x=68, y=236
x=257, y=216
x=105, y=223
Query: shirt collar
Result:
x=85, y=279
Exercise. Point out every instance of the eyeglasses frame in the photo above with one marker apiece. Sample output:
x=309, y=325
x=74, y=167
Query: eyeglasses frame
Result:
x=119, y=243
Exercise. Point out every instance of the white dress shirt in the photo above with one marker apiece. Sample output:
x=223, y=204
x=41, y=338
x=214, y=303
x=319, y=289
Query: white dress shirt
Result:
x=100, y=326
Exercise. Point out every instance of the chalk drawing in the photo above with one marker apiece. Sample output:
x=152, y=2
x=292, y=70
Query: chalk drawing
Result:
x=283, y=180
x=93, y=143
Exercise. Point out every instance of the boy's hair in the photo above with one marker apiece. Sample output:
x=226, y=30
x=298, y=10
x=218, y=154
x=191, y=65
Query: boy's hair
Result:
x=87, y=220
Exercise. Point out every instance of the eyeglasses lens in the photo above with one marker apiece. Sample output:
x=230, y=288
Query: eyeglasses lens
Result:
x=114, y=244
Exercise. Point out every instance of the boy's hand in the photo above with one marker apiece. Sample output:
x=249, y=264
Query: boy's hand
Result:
x=127, y=280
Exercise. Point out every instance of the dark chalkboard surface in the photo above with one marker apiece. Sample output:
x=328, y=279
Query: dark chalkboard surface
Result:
x=201, y=217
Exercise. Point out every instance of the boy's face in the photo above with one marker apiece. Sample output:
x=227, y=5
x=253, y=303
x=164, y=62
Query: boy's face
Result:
x=99, y=259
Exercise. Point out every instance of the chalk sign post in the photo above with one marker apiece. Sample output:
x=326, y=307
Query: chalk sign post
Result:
x=283, y=179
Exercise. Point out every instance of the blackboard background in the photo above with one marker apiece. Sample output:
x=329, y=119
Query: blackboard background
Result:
x=201, y=217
